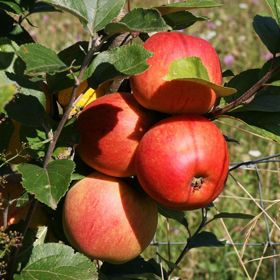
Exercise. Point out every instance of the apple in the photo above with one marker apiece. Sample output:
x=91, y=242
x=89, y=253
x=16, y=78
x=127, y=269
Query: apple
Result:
x=182, y=162
x=110, y=129
x=108, y=219
x=85, y=94
x=64, y=95
x=153, y=92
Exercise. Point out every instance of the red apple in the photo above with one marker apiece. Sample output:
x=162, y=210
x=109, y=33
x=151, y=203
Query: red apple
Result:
x=110, y=130
x=153, y=92
x=107, y=219
x=182, y=162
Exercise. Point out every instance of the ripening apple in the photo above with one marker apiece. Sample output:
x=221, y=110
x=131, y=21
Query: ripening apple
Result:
x=182, y=162
x=64, y=95
x=108, y=219
x=110, y=129
x=84, y=95
x=153, y=92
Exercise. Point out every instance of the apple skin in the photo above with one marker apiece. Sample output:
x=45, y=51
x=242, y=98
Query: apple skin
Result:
x=64, y=95
x=110, y=130
x=174, y=97
x=179, y=152
x=108, y=219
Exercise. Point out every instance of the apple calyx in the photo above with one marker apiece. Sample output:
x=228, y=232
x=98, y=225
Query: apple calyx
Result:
x=197, y=183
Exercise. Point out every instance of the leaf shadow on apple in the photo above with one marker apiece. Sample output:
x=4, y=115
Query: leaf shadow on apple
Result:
x=94, y=124
x=110, y=129
x=182, y=97
x=141, y=214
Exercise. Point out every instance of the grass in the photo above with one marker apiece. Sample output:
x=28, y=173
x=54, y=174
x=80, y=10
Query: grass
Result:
x=248, y=190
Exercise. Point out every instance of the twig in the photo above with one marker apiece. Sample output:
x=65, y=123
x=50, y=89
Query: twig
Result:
x=52, y=145
x=246, y=97
x=253, y=162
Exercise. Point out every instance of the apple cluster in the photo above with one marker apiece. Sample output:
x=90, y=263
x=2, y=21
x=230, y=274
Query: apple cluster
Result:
x=157, y=134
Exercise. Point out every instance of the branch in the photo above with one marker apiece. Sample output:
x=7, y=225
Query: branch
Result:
x=247, y=96
x=52, y=145
x=253, y=162
x=66, y=114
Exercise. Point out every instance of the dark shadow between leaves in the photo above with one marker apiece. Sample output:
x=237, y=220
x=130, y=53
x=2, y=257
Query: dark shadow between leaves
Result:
x=134, y=269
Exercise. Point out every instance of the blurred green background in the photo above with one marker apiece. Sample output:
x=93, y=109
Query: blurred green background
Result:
x=230, y=30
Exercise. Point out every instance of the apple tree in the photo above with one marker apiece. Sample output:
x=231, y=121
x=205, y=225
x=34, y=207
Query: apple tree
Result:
x=38, y=132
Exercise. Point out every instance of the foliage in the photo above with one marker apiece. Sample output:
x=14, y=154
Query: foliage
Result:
x=30, y=76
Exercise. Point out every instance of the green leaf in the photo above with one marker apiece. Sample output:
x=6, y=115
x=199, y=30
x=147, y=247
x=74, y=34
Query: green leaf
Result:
x=7, y=88
x=40, y=7
x=40, y=60
x=192, y=69
x=77, y=8
x=27, y=109
x=274, y=84
x=137, y=268
x=182, y=19
x=275, y=8
x=36, y=139
x=41, y=235
x=12, y=30
x=103, y=12
x=77, y=177
x=75, y=54
x=265, y=124
x=48, y=185
x=205, y=239
x=125, y=60
x=225, y=215
x=269, y=32
x=22, y=200
x=11, y=6
x=7, y=93
x=178, y=216
x=266, y=100
x=242, y=82
x=274, y=62
x=95, y=13
x=7, y=53
x=51, y=261
x=139, y=20
x=228, y=73
x=187, y=5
